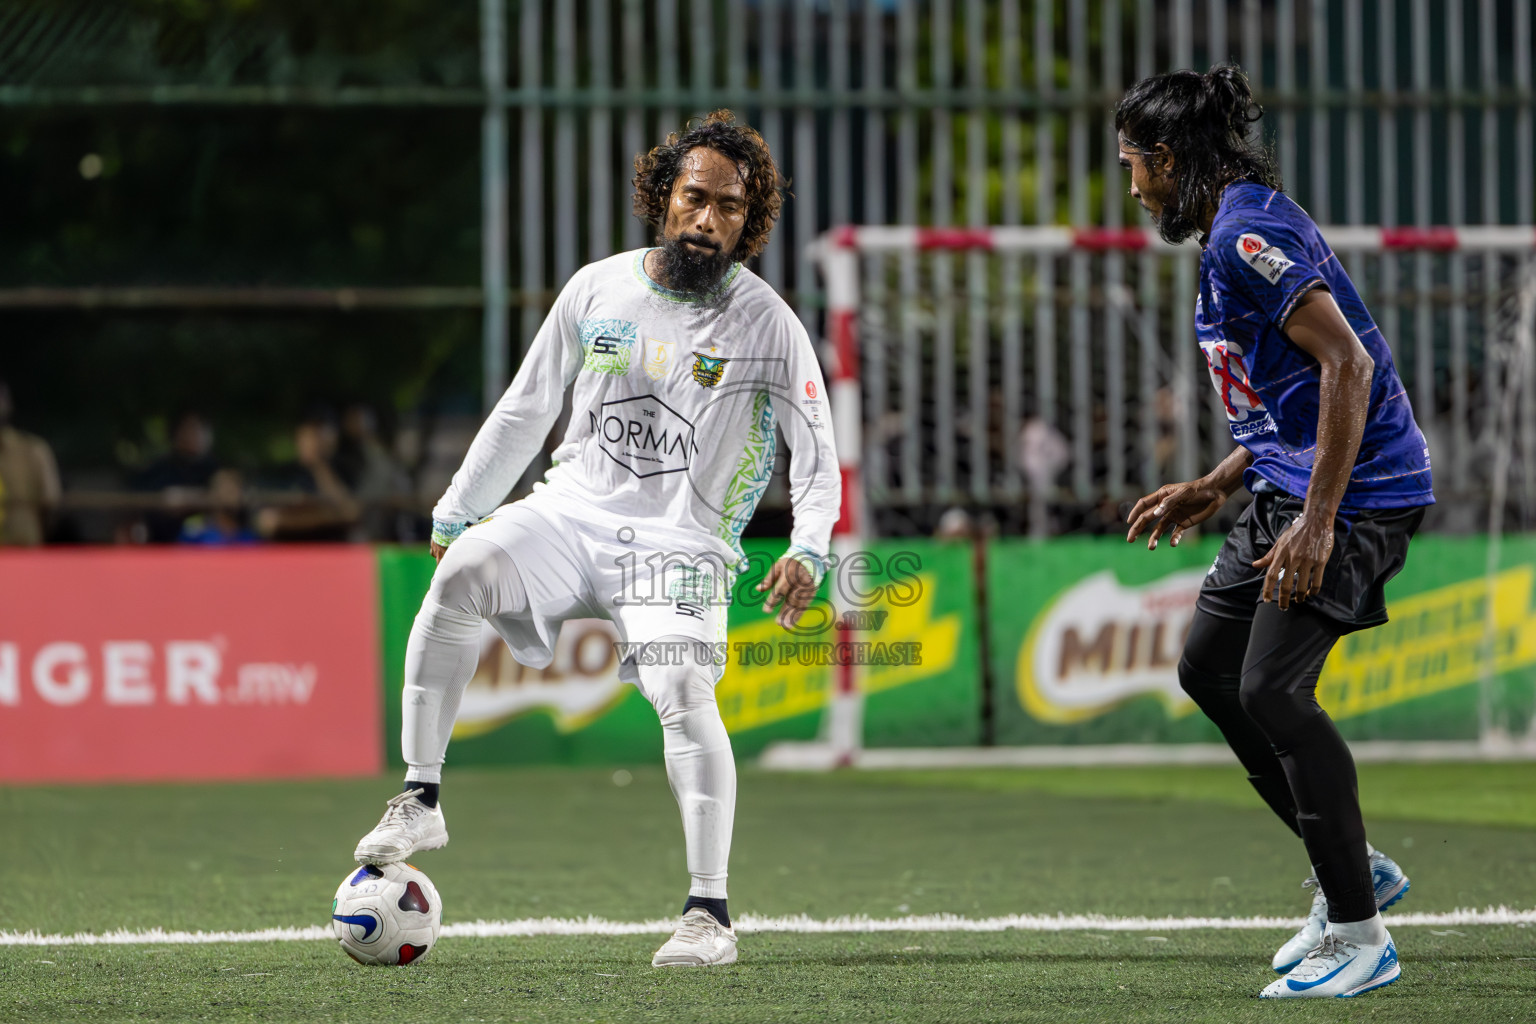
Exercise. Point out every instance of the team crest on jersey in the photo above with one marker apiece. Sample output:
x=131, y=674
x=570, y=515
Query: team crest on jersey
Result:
x=707, y=369
x=1266, y=260
x=609, y=345
x=658, y=358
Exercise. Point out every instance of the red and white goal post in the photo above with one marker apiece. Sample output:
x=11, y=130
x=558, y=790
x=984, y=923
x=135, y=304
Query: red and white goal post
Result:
x=839, y=254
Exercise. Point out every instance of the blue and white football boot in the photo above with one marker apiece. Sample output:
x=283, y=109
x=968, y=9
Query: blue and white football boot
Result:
x=1390, y=882
x=1310, y=935
x=1391, y=885
x=1338, y=970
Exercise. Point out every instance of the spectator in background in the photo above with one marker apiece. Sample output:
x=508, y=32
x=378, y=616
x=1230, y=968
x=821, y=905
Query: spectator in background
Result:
x=225, y=521
x=376, y=480
x=955, y=524
x=29, y=480
x=181, y=476
x=323, y=508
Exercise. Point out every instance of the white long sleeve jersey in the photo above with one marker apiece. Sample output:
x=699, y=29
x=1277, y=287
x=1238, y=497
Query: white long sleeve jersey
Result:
x=673, y=413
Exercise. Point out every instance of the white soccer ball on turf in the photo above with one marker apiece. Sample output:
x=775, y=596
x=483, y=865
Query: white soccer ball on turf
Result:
x=387, y=915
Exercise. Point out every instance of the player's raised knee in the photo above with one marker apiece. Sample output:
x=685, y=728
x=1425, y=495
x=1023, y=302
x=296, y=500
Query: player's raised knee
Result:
x=679, y=687
x=466, y=580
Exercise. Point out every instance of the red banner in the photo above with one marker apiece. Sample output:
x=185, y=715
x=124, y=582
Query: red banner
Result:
x=120, y=664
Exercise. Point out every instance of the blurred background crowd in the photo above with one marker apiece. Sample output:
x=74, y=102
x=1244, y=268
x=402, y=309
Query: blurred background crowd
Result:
x=335, y=476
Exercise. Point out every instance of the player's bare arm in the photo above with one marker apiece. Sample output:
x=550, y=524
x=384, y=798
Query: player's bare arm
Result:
x=1294, y=566
x=1188, y=504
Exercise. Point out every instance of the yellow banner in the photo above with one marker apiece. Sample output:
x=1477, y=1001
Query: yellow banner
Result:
x=1435, y=641
x=774, y=675
x=753, y=693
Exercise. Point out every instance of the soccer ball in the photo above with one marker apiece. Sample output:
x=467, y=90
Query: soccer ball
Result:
x=388, y=915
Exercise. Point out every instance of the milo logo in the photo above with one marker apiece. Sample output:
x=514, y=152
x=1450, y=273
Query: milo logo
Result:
x=1101, y=642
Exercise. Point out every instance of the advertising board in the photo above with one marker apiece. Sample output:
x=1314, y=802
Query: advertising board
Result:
x=144, y=663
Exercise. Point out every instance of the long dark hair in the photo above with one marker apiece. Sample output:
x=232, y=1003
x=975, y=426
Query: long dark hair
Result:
x=657, y=170
x=1204, y=120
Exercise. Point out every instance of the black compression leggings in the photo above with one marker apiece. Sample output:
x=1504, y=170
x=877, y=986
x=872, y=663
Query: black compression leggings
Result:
x=1258, y=682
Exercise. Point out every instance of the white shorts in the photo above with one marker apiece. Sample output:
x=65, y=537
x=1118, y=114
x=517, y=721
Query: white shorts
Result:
x=652, y=583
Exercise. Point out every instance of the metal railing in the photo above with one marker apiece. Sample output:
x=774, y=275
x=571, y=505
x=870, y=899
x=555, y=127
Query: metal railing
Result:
x=928, y=112
x=1081, y=389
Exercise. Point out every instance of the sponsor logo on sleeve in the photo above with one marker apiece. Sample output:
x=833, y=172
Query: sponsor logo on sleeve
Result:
x=810, y=389
x=609, y=345
x=1266, y=260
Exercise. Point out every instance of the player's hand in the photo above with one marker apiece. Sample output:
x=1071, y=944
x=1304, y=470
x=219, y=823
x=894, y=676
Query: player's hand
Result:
x=1295, y=564
x=791, y=582
x=438, y=551
x=1179, y=506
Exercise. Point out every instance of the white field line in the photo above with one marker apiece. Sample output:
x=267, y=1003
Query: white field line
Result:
x=799, y=924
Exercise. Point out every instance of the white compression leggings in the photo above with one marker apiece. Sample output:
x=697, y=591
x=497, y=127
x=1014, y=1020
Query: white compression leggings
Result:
x=478, y=580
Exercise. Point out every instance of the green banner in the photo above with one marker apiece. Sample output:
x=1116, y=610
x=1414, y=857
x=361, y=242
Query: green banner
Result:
x=929, y=600
x=912, y=622
x=1086, y=636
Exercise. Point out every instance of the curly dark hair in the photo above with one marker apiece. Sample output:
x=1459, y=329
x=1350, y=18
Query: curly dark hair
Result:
x=656, y=171
x=1204, y=122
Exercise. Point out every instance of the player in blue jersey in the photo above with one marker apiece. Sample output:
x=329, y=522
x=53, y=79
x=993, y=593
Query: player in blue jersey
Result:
x=1326, y=441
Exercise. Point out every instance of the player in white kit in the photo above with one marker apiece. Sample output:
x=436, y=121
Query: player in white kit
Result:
x=683, y=362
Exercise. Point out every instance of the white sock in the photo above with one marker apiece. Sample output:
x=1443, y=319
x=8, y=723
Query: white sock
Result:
x=440, y=659
x=700, y=768
x=702, y=772
x=1370, y=932
x=476, y=580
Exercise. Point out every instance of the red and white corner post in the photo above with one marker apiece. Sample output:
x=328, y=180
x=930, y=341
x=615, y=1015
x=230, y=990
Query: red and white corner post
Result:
x=844, y=723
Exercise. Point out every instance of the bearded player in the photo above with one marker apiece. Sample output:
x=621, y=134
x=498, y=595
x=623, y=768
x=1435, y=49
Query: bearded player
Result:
x=1327, y=443
x=683, y=362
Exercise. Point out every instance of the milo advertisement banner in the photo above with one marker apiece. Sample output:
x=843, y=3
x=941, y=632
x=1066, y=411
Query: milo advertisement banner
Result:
x=908, y=613
x=1086, y=636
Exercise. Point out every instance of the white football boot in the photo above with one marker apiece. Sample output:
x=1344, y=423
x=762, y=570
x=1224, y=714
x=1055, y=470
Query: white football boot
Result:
x=1337, y=969
x=1387, y=879
x=408, y=826
x=700, y=941
x=1310, y=935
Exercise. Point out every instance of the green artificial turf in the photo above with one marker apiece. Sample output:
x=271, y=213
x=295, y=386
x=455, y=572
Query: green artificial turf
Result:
x=1082, y=977
x=531, y=843
x=1489, y=793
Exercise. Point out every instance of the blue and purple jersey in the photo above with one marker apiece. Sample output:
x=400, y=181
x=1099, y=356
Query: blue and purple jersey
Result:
x=1262, y=255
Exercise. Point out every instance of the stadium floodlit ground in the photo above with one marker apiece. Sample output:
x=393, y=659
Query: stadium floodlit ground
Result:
x=1169, y=844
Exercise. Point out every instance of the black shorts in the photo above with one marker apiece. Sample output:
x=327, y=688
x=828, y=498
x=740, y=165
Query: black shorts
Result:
x=1369, y=547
